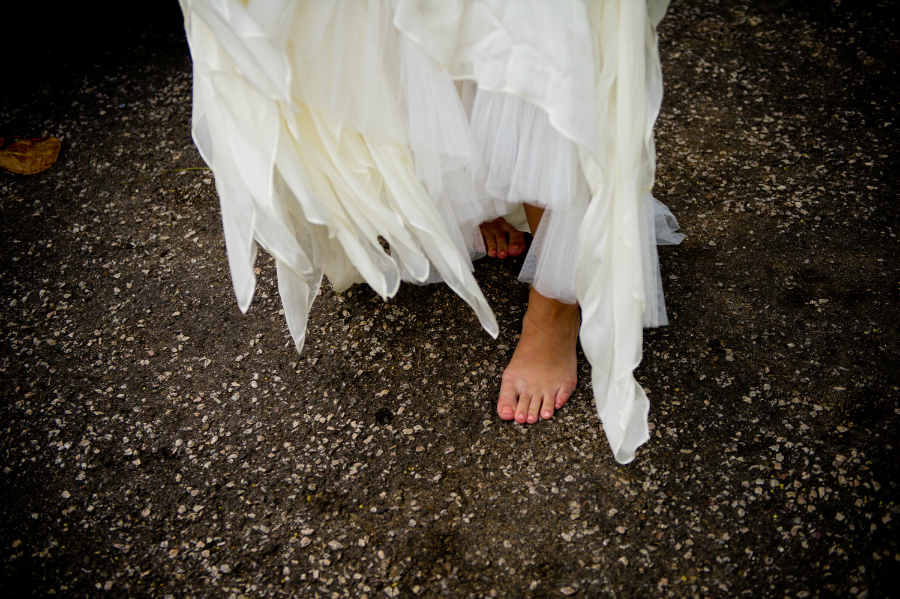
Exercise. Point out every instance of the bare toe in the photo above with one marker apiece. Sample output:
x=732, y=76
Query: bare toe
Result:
x=490, y=240
x=502, y=246
x=509, y=399
x=535, y=407
x=547, y=407
x=562, y=397
x=516, y=240
x=522, y=409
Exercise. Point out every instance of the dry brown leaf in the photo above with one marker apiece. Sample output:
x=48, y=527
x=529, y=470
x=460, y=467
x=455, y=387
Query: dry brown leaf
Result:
x=28, y=156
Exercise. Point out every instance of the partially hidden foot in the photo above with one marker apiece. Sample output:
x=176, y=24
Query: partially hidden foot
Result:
x=542, y=374
x=501, y=239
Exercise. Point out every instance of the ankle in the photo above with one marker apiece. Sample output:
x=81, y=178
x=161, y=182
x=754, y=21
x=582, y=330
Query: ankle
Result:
x=552, y=317
x=543, y=307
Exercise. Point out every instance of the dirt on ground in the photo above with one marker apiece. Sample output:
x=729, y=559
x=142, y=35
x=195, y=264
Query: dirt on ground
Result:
x=158, y=443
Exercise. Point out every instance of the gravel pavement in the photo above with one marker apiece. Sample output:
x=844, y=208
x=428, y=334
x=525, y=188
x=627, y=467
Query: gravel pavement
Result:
x=157, y=443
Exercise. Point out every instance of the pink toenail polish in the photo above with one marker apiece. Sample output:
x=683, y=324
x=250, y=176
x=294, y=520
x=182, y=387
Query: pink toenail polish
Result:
x=547, y=414
x=507, y=412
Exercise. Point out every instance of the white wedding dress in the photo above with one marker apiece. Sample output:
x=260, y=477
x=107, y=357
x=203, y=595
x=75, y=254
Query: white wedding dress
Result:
x=331, y=123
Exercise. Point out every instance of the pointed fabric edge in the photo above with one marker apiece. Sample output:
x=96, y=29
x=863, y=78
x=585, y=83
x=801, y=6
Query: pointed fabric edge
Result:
x=227, y=52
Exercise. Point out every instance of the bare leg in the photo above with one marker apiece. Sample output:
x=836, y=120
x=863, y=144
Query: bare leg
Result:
x=542, y=374
x=502, y=239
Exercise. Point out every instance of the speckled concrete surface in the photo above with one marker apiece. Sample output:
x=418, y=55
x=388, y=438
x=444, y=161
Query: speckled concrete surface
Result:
x=157, y=443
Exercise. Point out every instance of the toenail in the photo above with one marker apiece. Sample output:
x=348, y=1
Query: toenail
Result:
x=507, y=412
x=547, y=414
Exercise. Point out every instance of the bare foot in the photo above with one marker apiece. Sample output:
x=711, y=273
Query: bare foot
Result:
x=542, y=374
x=502, y=239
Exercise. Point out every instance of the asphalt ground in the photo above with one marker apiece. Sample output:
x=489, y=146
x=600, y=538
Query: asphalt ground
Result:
x=157, y=443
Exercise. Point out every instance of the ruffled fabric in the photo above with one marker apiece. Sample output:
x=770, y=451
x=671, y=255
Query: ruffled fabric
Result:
x=612, y=291
x=329, y=125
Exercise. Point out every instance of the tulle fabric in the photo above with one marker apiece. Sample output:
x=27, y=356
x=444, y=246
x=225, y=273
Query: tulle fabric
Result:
x=329, y=125
x=528, y=160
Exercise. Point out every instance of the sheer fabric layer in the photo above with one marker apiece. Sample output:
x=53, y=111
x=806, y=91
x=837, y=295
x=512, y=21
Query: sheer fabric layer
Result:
x=331, y=124
x=529, y=161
